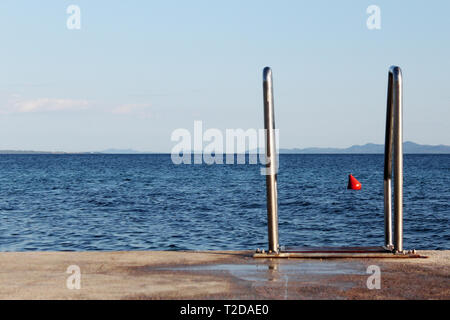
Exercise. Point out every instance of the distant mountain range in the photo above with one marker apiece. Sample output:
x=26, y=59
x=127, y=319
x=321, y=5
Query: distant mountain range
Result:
x=121, y=151
x=107, y=151
x=408, y=147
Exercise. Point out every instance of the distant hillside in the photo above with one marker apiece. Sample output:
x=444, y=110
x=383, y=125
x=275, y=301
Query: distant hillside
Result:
x=408, y=147
x=42, y=152
x=120, y=151
x=108, y=151
x=28, y=152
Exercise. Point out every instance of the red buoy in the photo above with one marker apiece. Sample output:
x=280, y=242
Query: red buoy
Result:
x=353, y=184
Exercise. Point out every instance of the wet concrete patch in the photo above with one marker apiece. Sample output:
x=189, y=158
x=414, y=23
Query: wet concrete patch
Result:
x=270, y=270
x=284, y=279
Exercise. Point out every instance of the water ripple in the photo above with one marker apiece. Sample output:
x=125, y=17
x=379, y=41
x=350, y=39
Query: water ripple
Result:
x=144, y=202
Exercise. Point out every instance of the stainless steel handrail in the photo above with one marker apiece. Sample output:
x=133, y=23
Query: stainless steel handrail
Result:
x=394, y=146
x=393, y=151
x=271, y=161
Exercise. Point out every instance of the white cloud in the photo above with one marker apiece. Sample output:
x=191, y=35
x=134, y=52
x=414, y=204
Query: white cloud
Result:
x=19, y=105
x=16, y=104
x=47, y=104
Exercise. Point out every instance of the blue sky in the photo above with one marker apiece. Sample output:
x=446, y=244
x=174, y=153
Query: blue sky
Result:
x=137, y=70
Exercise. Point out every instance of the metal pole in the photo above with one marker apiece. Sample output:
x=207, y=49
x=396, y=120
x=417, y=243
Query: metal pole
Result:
x=397, y=104
x=388, y=167
x=271, y=165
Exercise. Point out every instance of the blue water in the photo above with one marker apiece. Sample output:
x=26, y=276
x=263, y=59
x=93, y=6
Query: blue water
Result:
x=144, y=202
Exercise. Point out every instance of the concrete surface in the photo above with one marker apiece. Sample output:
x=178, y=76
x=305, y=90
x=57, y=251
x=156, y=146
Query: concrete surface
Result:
x=218, y=275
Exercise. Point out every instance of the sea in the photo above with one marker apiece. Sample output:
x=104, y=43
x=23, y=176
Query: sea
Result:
x=85, y=202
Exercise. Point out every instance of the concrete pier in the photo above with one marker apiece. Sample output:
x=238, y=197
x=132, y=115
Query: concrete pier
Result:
x=218, y=275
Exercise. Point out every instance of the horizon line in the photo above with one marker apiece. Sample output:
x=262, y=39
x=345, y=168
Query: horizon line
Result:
x=295, y=150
